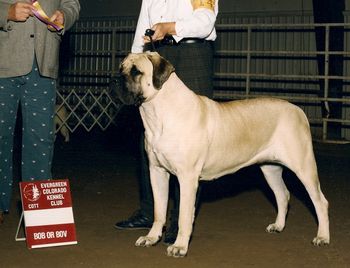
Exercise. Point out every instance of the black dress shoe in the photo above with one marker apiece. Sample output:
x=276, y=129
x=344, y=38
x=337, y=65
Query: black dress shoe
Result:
x=171, y=233
x=135, y=222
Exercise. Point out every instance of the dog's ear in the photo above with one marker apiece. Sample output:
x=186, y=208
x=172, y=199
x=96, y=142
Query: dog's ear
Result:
x=162, y=69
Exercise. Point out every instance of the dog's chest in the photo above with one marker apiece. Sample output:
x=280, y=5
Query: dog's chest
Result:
x=163, y=153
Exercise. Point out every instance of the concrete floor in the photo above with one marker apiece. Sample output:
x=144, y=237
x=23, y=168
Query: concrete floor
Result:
x=230, y=227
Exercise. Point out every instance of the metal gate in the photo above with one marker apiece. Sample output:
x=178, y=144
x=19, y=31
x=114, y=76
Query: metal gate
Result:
x=256, y=55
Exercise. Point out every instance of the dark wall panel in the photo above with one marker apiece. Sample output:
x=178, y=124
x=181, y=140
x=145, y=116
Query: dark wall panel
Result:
x=100, y=8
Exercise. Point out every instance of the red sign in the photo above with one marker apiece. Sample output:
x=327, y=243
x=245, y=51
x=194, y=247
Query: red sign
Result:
x=48, y=213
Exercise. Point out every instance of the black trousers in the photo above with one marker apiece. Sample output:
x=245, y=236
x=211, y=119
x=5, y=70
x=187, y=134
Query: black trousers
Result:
x=194, y=66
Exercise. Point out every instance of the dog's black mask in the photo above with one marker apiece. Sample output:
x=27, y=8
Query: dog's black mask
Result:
x=118, y=90
x=126, y=86
x=115, y=83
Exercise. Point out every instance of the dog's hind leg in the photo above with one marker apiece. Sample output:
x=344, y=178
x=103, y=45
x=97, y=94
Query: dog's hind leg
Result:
x=160, y=188
x=273, y=176
x=309, y=177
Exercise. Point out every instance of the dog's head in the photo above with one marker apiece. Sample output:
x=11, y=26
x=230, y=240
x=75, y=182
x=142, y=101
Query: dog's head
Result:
x=140, y=77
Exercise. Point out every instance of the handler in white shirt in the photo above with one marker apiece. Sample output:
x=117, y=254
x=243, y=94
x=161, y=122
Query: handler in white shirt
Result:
x=184, y=31
x=179, y=18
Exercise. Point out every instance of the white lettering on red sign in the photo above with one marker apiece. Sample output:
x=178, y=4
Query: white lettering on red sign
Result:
x=50, y=235
x=38, y=236
x=57, y=203
x=32, y=206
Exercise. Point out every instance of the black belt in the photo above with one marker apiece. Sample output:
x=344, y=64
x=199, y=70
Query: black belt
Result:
x=170, y=41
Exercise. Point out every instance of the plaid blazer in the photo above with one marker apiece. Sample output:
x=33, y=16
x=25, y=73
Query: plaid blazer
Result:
x=20, y=41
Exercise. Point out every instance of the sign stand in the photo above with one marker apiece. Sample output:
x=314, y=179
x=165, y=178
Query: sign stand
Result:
x=47, y=214
x=18, y=229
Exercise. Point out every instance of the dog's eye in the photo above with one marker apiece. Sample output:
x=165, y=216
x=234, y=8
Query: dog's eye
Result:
x=134, y=71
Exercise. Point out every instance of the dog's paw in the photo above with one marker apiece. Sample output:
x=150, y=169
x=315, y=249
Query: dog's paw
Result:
x=320, y=241
x=274, y=228
x=146, y=241
x=176, y=251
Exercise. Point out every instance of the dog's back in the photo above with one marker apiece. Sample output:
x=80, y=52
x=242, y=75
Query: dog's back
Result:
x=259, y=129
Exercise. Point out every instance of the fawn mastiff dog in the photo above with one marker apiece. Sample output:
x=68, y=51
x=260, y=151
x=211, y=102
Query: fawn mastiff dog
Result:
x=196, y=139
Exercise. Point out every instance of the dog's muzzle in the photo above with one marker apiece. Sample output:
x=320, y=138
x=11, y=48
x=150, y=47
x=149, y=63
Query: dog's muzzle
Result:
x=115, y=83
x=118, y=90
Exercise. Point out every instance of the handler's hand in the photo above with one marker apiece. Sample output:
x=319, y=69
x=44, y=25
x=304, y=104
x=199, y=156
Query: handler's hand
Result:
x=161, y=30
x=20, y=11
x=57, y=17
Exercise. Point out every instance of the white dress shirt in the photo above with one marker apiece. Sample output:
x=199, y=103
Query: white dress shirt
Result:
x=189, y=23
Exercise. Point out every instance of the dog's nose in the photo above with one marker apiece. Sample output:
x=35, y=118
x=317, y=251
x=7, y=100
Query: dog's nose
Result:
x=115, y=81
x=115, y=84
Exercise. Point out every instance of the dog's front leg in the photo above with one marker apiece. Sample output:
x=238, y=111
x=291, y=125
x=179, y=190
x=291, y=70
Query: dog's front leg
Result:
x=188, y=190
x=160, y=188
